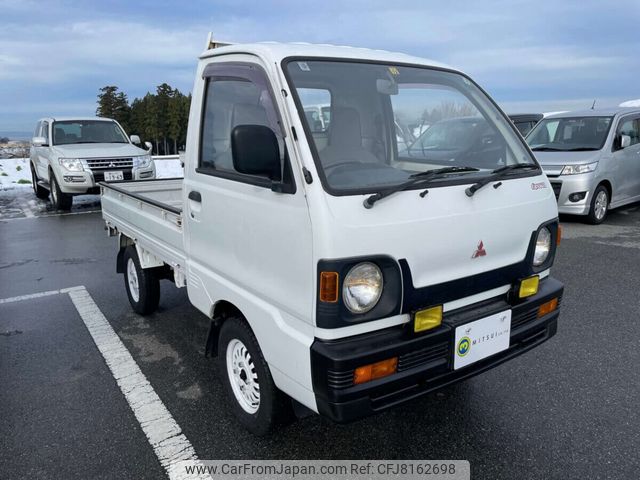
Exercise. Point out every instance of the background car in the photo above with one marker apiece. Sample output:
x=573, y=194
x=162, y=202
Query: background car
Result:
x=70, y=156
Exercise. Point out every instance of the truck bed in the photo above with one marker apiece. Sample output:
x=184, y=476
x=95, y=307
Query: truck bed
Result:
x=148, y=212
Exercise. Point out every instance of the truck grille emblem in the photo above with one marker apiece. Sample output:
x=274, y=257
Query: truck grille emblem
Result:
x=480, y=251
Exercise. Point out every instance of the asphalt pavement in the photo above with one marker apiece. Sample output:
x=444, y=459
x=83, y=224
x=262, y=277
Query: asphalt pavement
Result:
x=568, y=409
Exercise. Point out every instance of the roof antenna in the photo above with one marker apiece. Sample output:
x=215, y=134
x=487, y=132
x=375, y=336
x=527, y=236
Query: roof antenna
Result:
x=594, y=104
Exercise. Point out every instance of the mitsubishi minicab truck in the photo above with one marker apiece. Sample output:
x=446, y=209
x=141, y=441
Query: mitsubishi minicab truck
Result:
x=341, y=273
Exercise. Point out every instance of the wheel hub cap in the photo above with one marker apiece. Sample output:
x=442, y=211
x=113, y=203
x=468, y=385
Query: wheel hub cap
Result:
x=132, y=280
x=242, y=376
x=601, y=205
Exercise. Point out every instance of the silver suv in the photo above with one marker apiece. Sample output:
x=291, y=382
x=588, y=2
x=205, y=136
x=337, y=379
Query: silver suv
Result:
x=70, y=156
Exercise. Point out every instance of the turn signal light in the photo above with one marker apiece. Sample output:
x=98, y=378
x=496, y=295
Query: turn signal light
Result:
x=528, y=286
x=329, y=287
x=559, y=235
x=547, y=307
x=375, y=370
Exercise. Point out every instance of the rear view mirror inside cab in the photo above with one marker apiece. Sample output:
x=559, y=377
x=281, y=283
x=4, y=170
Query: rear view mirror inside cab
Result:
x=386, y=86
x=255, y=151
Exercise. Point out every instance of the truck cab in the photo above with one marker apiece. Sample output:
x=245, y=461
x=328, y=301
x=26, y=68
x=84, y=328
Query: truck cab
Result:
x=70, y=156
x=341, y=270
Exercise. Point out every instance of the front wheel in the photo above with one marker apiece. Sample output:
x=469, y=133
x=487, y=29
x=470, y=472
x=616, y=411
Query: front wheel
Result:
x=143, y=286
x=60, y=200
x=599, y=205
x=255, y=399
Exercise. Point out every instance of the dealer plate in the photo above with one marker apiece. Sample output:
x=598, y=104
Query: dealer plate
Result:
x=481, y=338
x=112, y=176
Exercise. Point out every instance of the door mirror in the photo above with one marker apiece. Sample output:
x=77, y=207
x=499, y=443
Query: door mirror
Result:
x=149, y=146
x=255, y=151
x=39, y=141
x=625, y=141
x=135, y=139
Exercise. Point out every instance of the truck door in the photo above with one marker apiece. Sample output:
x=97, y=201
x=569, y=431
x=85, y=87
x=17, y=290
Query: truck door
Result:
x=241, y=235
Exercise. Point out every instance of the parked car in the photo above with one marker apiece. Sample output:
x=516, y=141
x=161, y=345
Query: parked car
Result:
x=342, y=273
x=70, y=156
x=460, y=140
x=592, y=158
x=525, y=122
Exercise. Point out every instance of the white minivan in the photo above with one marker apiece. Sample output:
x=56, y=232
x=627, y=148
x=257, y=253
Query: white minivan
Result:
x=338, y=270
x=70, y=156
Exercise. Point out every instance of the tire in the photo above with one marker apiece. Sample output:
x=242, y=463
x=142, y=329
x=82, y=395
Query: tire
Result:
x=262, y=406
x=39, y=191
x=142, y=285
x=59, y=199
x=599, y=205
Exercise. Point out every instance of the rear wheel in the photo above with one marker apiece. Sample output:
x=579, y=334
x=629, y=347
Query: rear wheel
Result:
x=60, y=200
x=143, y=285
x=255, y=399
x=599, y=205
x=40, y=192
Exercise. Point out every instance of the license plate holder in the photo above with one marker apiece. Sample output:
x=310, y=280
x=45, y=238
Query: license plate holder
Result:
x=114, y=175
x=481, y=339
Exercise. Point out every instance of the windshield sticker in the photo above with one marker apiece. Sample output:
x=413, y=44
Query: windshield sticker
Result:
x=394, y=71
x=304, y=67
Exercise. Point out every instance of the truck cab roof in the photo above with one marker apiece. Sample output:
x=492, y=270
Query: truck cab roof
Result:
x=276, y=52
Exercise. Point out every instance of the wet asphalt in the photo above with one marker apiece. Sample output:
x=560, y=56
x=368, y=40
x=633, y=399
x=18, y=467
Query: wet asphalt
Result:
x=568, y=409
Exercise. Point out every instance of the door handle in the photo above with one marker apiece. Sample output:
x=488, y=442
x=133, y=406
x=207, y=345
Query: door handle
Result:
x=195, y=196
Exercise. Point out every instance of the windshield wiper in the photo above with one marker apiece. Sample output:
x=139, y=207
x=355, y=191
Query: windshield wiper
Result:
x=414, y=179
x=497, y=174
x=582, y=149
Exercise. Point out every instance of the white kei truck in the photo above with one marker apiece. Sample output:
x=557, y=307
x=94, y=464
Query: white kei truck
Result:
x=341, y=273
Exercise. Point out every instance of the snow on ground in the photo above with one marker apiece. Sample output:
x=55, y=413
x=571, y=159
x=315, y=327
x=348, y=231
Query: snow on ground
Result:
x=15, y=173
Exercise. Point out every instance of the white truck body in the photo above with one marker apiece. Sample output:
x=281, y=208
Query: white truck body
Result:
x=262, y=252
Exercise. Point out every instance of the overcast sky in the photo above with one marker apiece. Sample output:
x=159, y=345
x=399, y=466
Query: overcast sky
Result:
x=530, y=56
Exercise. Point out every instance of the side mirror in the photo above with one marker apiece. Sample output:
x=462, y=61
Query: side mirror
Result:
x=255, y=151
x=149, y=146
x=39, y=141
x=625, y=141
x=135, y=139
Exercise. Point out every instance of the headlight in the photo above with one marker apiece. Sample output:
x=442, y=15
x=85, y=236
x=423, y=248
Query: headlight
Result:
x=142, y=161
x=543, y=247
x=362, y=287
x=575, y=169
x=71, y=164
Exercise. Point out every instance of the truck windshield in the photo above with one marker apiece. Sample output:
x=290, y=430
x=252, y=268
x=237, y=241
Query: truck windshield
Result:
x=571, y=134
x=389, y=122
x=69, y=132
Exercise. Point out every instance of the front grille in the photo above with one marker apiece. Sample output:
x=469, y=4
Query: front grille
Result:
x=422, y=356
x=339, y=379
x=556, y=188
x=109, y=163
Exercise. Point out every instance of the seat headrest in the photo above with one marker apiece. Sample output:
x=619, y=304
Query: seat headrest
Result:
x=345, y=130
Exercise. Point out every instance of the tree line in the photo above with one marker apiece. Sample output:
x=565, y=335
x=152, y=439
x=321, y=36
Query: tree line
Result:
x=160, y=118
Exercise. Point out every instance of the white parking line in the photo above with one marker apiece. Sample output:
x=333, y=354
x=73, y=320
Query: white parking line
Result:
x=160, y=428
x=38, y=295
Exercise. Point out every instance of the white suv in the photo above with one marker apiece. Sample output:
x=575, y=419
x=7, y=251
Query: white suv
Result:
x=70, y=156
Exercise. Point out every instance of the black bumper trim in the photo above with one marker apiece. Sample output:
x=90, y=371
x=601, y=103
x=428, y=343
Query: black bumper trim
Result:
x=343, y=402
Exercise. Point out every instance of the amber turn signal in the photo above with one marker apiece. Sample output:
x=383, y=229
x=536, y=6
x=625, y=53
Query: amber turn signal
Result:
x=376, y=370
x=547, y=307
x=329, y=287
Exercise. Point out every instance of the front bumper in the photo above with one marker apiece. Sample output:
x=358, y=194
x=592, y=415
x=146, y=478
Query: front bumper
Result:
x=87, y=180
x=425, y=361
x=565, y=185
